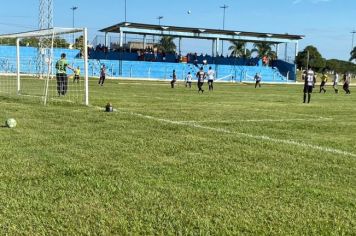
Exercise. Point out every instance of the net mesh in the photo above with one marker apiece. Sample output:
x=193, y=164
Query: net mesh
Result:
x=38, y=75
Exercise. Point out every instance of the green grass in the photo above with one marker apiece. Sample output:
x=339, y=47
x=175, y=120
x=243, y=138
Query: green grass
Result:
x=170, y=162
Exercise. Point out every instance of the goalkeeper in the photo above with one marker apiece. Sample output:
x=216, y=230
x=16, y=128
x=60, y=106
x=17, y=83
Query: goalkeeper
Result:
x=61, y=75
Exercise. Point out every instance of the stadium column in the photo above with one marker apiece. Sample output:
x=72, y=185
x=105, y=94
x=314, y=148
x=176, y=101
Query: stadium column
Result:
x=179, y=45
x=144, y=42
x=217, y=46
x=106, y=39
x=296, y=48
x=121, y=38
x=286, y=52
x=277, y=50
x=213, y=48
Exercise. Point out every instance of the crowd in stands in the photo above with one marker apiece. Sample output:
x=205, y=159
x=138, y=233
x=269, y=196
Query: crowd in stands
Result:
x=155, y=55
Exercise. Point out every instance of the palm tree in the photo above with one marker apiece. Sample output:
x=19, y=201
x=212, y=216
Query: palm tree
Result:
x=167, y=45
x=265, y=49
x=237, y=48
x=353, y=54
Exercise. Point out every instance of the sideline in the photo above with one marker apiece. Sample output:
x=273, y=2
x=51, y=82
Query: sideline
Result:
x=246, y=135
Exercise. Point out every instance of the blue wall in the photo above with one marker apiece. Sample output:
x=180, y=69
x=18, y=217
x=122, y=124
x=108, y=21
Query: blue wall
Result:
x=144, y=69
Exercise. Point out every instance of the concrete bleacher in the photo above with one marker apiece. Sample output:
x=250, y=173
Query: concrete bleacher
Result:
x=142, y=69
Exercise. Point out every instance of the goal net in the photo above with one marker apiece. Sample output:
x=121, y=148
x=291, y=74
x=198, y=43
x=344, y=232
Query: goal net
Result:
x=50, y=65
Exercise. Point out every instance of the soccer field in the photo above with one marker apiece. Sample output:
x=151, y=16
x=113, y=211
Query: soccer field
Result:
x=238, y=160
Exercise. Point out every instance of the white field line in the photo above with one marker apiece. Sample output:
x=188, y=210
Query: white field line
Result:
x=258, y=137
x=256, y=120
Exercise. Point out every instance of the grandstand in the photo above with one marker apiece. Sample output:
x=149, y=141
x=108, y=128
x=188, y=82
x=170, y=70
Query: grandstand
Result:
x=228, y=68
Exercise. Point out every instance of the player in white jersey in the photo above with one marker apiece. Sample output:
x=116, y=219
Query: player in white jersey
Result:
x=201, y=76
x=309, y=82
x=335, y=82
x=188, y=80
x=211, y=77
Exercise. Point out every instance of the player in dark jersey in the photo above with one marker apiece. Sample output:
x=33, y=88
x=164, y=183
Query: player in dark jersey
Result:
x=201, y=76
x=174, y=79
x=102, y=75
x=347, y=80
x=61, y=75
x=258, y=79
x=309, y=81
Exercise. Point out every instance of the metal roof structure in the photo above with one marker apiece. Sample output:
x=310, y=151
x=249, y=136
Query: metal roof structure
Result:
x=200, y=33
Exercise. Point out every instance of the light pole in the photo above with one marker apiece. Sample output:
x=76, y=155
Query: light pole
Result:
x=222, y=43
x=159, y=19
x=73, y=9
x=125, y=12
x=352, y=42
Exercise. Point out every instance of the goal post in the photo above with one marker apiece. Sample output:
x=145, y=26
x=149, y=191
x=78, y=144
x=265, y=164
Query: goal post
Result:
x=28, y=65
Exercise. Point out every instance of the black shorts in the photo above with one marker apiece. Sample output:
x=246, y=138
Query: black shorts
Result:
x=322, y=83
x=308, y=89
x=210, y=81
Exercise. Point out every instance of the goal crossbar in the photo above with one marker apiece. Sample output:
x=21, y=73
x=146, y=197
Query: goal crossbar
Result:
x=43, y=32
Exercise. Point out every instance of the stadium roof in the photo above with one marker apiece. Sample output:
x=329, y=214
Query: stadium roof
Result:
x=200, y=33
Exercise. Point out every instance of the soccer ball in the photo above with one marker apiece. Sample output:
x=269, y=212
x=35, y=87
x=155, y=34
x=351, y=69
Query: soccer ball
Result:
x=189, y=11
x=11, y=123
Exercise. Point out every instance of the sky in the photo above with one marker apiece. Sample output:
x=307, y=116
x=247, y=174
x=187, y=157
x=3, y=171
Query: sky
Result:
x=326, y=24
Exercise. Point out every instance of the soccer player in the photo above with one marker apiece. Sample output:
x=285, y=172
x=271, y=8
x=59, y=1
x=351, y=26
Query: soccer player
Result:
x=324, y=79
x=258, y=79
x=61, y=75
x=188, y=80
x=309, y=81
x=211, y=77
x=76, y=75
x=102, y=75
x=335, y=82
x=347, y=80
x=201, y=76
x=174, y=79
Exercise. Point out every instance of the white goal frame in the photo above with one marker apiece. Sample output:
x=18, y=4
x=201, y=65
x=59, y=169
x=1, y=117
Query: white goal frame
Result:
x=46, y=33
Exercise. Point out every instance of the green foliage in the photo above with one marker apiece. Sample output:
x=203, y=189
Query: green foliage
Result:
x=238, y=49
x=316, y=61
x=74, y=170
x=79, y=42
x=265, y=49
x=353, y=54
x=341, y=66
x=58, y=42
x=167, y=45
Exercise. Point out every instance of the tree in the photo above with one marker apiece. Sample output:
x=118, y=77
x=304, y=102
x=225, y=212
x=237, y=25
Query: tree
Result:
x=316, y=61
x=265, y=49
x=167, y=45
x=353, y=54
x=238, y=49
x=8, y=41
x=79, y=42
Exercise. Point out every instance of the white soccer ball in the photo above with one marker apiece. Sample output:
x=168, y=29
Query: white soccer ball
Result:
x=189, y=11
x=11, y=123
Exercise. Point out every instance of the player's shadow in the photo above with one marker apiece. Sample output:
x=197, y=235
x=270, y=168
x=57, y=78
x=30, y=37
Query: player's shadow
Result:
x=3, y=126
